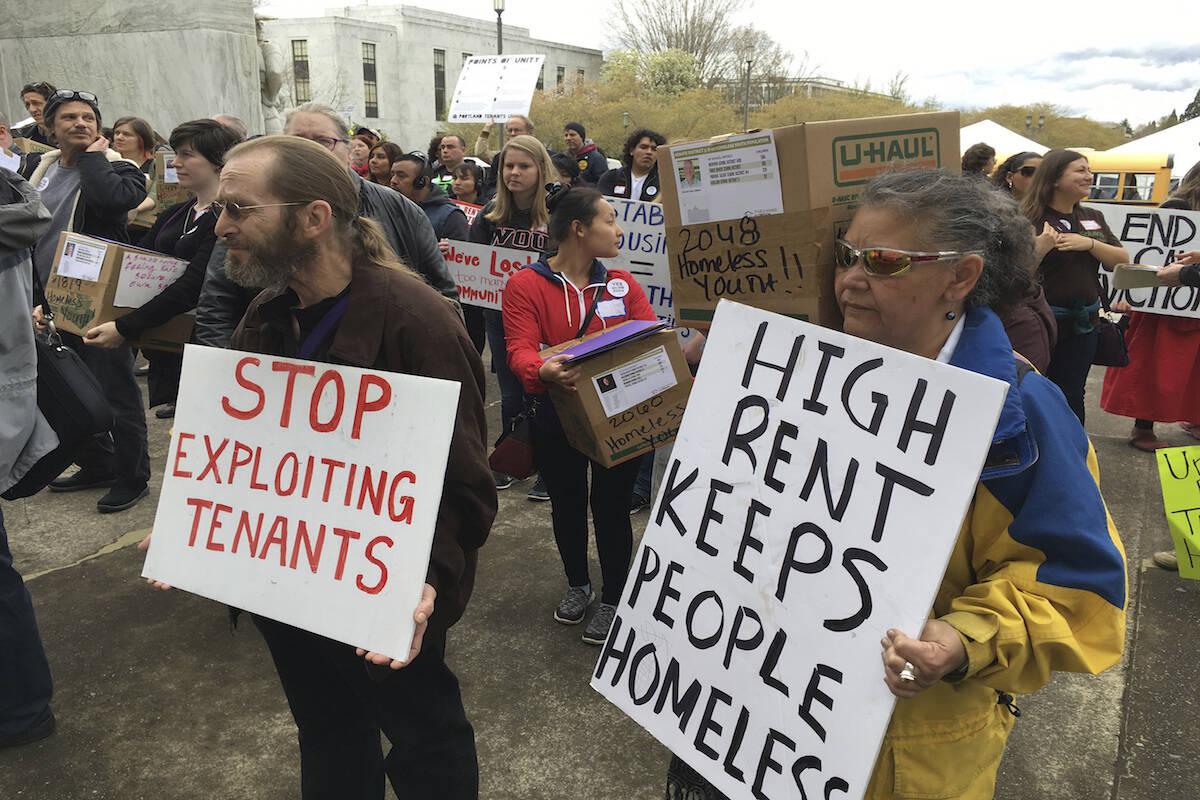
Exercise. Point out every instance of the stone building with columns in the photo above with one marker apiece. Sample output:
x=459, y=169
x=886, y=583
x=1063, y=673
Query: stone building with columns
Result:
x=394, y=68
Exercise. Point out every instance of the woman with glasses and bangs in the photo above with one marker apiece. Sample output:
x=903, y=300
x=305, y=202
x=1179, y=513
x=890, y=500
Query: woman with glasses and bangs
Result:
x=1036, y=579
x=184, y=230
x=1072, y=243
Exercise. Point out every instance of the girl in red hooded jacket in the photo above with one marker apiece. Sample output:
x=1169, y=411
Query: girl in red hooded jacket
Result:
x=545, y=304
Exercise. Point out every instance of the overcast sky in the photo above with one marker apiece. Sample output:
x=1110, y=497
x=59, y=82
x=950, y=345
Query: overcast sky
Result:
x=1108, y=59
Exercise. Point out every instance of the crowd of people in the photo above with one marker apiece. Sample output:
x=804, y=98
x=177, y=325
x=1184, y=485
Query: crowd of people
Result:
x=327, y=244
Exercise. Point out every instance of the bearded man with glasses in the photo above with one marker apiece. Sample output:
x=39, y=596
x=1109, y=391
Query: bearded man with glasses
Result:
x=407, y=229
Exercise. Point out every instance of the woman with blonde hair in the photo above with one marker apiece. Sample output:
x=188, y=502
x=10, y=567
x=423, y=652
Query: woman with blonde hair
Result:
x=516, y=218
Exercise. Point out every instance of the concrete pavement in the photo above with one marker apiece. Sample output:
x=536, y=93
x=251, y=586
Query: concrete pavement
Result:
x=156, y=697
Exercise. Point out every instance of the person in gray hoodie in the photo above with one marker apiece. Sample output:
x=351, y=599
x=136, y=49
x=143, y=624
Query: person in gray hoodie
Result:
x=25, y=437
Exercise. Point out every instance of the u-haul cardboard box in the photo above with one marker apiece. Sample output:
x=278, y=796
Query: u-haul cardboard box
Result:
x=771, y=246
x=629, y=398
x=95, y=281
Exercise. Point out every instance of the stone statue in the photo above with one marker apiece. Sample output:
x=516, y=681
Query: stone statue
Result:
x=271, y=67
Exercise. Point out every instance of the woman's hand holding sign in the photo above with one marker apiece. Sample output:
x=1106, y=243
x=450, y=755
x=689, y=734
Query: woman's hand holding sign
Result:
x=421, y=617
x=938, y=652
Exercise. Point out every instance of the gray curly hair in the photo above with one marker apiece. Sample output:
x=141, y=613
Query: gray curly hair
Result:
x=953, y=212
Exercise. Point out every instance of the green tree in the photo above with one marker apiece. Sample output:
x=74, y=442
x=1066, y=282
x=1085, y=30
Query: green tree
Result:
x=670, y=72
x=1193, y=109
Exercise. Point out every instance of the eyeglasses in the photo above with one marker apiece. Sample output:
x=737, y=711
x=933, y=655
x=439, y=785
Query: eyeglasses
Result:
x=328, y=142
x=1027, y=171
x=66, y=95
x=887, y=262
x=236, y=211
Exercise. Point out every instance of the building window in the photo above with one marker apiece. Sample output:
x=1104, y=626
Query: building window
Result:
x=561, y=77
x=439, y=84
x=466, y=57
x=579, y=74
x=541, y=78
x=300, y=78
x=370, y=86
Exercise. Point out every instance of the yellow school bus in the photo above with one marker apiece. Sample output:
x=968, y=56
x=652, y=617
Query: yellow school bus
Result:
x=1140, y=179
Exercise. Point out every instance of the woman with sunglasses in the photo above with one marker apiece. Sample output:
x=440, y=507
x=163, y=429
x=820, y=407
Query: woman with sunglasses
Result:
x=565, y=294
x=1073, y=242
x=1036, y=579
x=1015, y=173
x=184, y=230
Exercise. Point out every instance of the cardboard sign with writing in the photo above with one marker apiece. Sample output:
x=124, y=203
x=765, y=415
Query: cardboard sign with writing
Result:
x=495, y=87
x=822, y=168
x=481, y=270
x=304, y=492
x=1154, y=237
x=629, y=398
x=30, y=146
x=1179, y=473
x=814, y=495
x=94, y=281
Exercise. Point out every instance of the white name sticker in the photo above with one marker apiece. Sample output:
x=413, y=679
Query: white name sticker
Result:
x=611, y=308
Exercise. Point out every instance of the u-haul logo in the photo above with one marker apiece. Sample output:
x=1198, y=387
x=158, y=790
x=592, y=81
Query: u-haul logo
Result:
x=857, y=159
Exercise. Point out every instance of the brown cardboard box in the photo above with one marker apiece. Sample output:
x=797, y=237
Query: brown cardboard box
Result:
x=30, y=146
x=167, y=191
x=784, y=262
x=635, y=368
x=89, y=273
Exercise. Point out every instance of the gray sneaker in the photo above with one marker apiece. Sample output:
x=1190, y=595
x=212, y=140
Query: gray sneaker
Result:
x=573, y=606
x=596, y=631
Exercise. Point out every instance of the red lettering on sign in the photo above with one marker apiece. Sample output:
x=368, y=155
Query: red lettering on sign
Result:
x=383, y=573
x=212, y=459
x=292, y=370
x=313, y=552
x=199, y=505
x=329, y=376
x=363, y=405
x=406, y=501
x=346, y=535
x=180, y=455
x=245, y=383
x=215, y=526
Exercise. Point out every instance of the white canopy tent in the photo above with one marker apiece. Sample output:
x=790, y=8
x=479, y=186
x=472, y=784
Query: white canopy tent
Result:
x=1005, y=141
x=1183, y=140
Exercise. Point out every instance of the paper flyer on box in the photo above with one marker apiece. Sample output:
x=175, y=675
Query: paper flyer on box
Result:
x=81, y=259
x=729, y=179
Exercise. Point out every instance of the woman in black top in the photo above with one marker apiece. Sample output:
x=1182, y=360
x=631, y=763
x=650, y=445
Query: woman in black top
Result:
x=184, y=230
x=1073, y=242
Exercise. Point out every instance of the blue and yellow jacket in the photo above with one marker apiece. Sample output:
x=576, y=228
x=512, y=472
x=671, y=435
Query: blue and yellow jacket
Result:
x=1036, y=583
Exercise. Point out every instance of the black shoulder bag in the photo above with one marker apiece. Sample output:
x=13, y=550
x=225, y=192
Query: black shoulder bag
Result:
x=70, y=399
x=1111, y=350
x=513, y=453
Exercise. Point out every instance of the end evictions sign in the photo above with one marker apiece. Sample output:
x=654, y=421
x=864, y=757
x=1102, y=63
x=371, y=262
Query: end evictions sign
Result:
x=812, y=501
x=304, y=492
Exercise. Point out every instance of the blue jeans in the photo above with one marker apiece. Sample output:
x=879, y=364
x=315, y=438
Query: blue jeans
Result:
x=512, y=396
x=1069, y=366
x=25, y=684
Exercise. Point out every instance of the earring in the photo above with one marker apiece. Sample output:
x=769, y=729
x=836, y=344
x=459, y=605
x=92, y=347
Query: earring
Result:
x=1009, y=184
x=950, y=315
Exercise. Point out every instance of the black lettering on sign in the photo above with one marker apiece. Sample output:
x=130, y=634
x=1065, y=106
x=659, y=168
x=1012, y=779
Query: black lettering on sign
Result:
x=711, y=515
x=767, y=762
x=645, y=571
x=936, y=429
x=828, y=352
x=880, y=400
x=707, y=723
x=767, y=670
x=739, y=439
x=705, y=642
x=786, y=430
x=785, y=369
x=671, y=493
x=892, y=478
x=683, y=705
x=809, y=567
x=820, y=468
x=748, y=541
x=851, y=622
x=739, y=641
x=813, y=692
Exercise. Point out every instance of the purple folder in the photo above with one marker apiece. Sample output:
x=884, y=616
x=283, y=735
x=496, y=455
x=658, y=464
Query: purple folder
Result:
x=630, y=331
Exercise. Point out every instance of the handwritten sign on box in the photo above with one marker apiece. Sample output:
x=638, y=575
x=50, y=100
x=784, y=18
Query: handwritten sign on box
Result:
x=304, y=492
x=143, y=276
x=814, y=495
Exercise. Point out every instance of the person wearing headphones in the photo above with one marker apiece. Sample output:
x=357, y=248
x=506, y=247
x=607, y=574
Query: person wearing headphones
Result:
x=412, y=176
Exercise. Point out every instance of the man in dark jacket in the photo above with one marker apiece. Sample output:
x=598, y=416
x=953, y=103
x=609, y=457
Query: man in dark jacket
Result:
x=222, y=303
x=317, y=256
x=592, y=163
x=638, y=179
x=90, y=189
x=413, y=178
x=34, y=97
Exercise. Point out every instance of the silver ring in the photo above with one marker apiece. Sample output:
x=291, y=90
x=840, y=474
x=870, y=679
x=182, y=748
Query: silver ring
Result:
x=909, y=673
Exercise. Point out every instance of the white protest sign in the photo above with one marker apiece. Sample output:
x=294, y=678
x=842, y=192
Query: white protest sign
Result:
x=728, y=179
x=304, y=492
x=494, y=87
x=481, y=270
x=1155, y=237
x=143, y=277
x=813, y=498
x=80, y=258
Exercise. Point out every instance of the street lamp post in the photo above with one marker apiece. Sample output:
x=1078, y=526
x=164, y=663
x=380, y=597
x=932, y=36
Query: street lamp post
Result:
x=746, y=103
x=499, y=6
